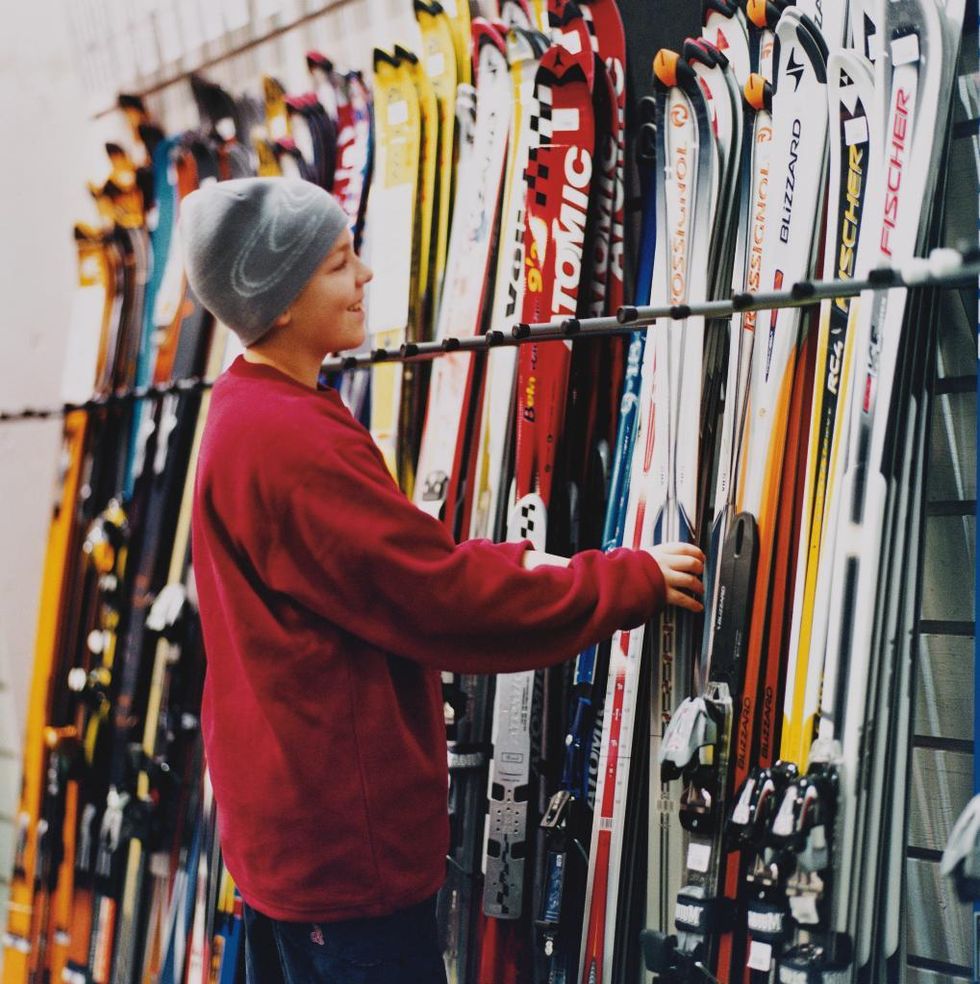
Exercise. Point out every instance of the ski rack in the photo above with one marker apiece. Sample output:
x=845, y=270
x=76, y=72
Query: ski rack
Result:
x=225, y=55
x=946, y=268
x=943, y=268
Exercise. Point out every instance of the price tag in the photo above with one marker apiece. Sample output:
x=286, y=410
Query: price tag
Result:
x=278, y=128
x=571, y=41
x=760, y=956
x=804, y=908
x=856, y=130
x=565, y=119
x=698, y=857
x=397, y=112
x=435, y=64
x=905, y=50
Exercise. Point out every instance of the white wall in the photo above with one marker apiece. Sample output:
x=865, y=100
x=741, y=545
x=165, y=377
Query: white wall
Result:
x=42, y=166
x=42, y=170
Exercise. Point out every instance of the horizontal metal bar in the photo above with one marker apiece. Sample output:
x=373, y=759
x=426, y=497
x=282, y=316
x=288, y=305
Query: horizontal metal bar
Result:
x=961, y=746
x=923, y=854
x=949, y=385
x=952, y=507
x=946, y=268
x=808, y=292
x=946, y=627
x=950, y=970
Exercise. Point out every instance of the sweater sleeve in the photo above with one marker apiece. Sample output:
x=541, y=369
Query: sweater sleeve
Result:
x=348, y=545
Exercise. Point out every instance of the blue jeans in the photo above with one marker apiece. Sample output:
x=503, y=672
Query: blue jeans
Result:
x=402, y=948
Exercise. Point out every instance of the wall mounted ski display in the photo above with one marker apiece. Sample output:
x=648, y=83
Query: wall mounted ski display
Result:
x=576, y=216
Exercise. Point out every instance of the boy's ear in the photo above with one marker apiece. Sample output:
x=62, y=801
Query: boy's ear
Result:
x=284, y=319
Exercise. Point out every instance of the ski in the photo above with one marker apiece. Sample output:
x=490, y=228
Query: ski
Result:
x=398, y=149
x=913, y=70
x=558, y=179
x=465, y=298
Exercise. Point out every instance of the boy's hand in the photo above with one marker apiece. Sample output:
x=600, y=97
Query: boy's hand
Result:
x=681, y=564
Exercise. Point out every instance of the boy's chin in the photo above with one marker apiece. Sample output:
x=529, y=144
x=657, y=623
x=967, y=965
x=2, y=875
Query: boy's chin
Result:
x=352, y=340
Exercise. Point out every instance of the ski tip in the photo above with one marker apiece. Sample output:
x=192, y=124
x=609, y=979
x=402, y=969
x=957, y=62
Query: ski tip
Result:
x=286, y=147
x=199, y=86
x=762, y=14
x=726, y=8
x=484, y=32
x=382, y=57
x=109, y=190
x=272, y=88
x=431, y=9
x=758, y=92
x=813, y=43
x=709, y=54
x=316, y=59
x=564, y=14
x=403, y=54
x=126, y=100
x=699, y=51
x=665, y=65
x=84, y=233
x=558, y=67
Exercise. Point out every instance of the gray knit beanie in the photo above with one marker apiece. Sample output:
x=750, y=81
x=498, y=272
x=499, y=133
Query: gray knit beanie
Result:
x=252, y=244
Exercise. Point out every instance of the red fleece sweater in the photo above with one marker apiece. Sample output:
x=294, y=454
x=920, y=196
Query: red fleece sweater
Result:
x=329, y=603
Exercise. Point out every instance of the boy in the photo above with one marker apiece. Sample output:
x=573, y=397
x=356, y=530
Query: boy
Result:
x=329, y=604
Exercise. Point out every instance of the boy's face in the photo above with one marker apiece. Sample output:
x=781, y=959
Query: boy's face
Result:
x=329, y=312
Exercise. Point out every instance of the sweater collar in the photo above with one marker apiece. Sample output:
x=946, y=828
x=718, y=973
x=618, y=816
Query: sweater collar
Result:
x=243, y=369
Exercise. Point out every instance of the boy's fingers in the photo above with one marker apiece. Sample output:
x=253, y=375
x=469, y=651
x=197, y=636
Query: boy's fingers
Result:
x=687, y=582
x=685, y=562
x=682, y=600
x=688, y=549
